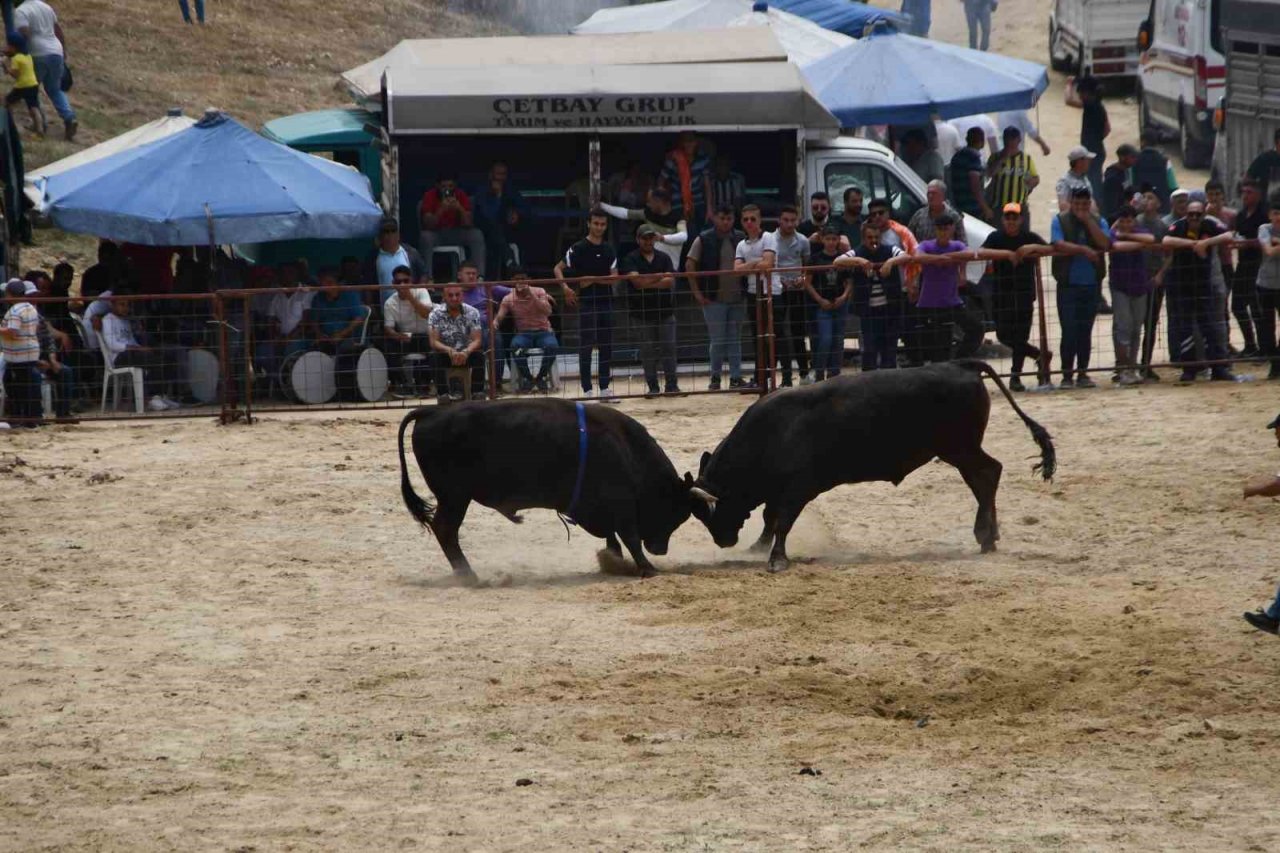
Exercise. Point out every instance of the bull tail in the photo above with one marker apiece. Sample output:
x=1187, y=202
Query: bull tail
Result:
x=1048, y=456
x=420, y=508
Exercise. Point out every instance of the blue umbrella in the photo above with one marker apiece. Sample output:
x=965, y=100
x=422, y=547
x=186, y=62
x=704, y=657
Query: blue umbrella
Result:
x=892, y=78
x=852, y=19
x=216, y=181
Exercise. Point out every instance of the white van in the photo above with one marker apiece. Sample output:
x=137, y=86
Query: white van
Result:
x=1095, y=37
x=1183, y=74
x=834, y=165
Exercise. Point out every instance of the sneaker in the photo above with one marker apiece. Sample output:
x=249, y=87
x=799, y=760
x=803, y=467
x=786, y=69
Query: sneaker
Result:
x=1015, y=384
x=672, y=388
x=588, y=394
x=1067, y=382
x=607, y=395
x=1222, y=374
x=652, y=391
x=71, y=126
x=157, y=404
x=714, y=384
x=1263, y=622
x=1187, y=377
x=1130, y=378
x=171, y=403
x=735, y=383
x=805, y=379
x=1083, y=381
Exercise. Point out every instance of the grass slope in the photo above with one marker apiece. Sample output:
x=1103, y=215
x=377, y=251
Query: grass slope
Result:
x=133, y=59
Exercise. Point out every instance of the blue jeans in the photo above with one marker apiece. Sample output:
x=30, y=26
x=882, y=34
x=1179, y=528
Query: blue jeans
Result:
x=49, y=74
x=595, y=331
x=977, y=14
x=881, y=328
x=828, y=343
x=64, y=385
x=545, y=341
x=1077, y=310
x=724, y=325
x=186, y=10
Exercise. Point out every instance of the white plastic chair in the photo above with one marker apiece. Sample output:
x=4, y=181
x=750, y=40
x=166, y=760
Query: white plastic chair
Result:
x=113, y=375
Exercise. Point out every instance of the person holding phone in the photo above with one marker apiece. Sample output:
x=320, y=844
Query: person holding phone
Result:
x=445, y=215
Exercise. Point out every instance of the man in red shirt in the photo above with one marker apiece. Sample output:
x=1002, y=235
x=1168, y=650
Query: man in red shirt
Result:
x=446, y=219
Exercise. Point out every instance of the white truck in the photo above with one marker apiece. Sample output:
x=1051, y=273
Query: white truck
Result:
x=1095, y=37
x=1249, y=113
x=1183, y=74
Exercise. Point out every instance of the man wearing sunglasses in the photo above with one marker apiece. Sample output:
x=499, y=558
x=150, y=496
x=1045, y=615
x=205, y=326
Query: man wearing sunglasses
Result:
x=1192, y=241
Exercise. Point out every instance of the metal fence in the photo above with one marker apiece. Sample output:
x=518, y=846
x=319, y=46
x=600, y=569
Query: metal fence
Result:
x=233, y=353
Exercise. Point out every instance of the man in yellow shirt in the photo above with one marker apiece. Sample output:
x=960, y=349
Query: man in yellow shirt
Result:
x=19, y=65
x=1013, y=176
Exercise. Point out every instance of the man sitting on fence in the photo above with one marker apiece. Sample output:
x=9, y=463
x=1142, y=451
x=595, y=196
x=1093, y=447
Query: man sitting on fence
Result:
x=651, y=303
x=532, y=308
x=336, y=316
x=405, y=318
x=454, y=330
x=160, y=365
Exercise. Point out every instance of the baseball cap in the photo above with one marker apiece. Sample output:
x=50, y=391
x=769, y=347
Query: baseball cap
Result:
x=1013, y=207
x=1080, y=153
x=646, y=230
x=1127, y=150
x=15, y=287
x=1180, y=193
x=29, y=288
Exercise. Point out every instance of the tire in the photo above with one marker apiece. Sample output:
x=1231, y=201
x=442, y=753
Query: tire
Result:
x=1061, y=65
x=1195, y=153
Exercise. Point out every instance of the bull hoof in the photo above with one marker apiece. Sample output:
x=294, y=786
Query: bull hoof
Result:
x=613, y=563
x=778, y=564
x=988, y=547
x=466, y=578
x=648, y=572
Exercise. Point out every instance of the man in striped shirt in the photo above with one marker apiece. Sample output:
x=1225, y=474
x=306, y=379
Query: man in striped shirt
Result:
x=1013, y=176
x=19, y=337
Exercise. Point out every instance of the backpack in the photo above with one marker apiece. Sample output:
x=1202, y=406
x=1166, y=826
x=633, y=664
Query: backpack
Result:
x=1073, y=231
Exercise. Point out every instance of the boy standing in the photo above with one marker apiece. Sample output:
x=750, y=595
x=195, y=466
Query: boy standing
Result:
x=19, y=65
x=830, y=290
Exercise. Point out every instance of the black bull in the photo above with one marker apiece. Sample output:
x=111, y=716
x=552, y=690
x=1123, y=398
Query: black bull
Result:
x=788, y=448
x=520, y=454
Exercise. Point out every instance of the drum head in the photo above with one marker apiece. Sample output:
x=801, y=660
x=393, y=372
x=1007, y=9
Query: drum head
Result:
x=311, y=377
x=202, y=375
x=371, y=375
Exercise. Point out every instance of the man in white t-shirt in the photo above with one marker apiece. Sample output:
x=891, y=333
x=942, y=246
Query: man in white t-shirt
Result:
x=38, y=23
x=405, y=320
x=989, y=130
x=948, y=139
x=758, y=253
x=791, y=309
x=286, y=334
x=1021, y=119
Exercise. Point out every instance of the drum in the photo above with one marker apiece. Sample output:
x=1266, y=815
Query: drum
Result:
x=202, y=375
x=361, y=375
x=307, y=377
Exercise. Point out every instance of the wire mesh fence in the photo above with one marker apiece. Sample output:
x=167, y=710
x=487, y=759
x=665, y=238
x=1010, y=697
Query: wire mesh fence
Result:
x=1043, y=322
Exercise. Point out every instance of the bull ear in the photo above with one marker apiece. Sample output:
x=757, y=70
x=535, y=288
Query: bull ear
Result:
x=702, y=463
x=688, y=478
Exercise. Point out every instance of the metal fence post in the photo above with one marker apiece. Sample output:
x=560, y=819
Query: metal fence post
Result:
x=227, y=379
x=246, y=342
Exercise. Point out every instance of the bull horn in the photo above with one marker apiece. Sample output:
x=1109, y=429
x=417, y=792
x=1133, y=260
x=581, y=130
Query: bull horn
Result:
x=704, y=496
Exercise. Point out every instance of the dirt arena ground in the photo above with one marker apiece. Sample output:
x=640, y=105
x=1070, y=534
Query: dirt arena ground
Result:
x=236, y=638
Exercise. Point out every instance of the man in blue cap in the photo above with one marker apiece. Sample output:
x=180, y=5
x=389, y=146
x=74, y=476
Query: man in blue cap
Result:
x=1268, y=487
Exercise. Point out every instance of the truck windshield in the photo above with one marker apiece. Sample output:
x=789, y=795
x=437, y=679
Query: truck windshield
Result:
x=875, y=182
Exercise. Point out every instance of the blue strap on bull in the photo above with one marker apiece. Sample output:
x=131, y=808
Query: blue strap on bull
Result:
x=582, y=463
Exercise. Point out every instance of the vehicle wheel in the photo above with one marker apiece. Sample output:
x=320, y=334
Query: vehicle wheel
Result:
x=1055, y=62
x=1195, y=154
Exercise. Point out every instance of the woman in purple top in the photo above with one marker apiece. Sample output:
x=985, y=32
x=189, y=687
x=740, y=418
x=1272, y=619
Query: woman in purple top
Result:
x=939, y=307
x=1130, y=291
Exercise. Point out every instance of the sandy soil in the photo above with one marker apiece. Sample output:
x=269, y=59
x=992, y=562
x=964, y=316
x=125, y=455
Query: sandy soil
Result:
x=236, y=638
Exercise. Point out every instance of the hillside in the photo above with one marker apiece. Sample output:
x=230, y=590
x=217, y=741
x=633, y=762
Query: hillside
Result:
x=133, y=59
